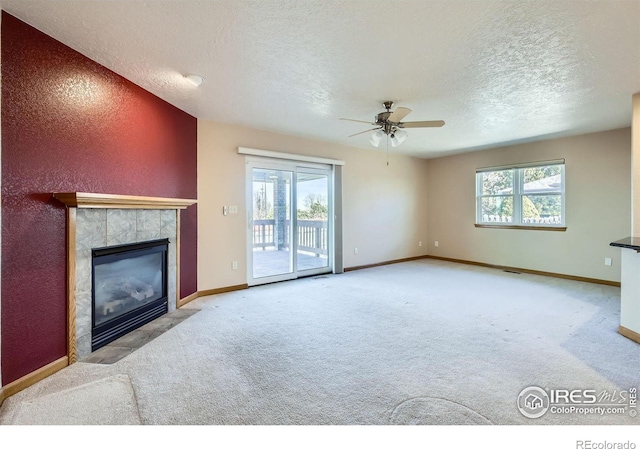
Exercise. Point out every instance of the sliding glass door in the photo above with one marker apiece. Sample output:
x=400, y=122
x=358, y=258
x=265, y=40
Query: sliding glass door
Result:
x=312, y=219
x=271, y=227
x=289, y=231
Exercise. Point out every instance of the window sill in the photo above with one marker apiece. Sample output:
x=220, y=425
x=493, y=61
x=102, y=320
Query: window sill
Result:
x=523, y=227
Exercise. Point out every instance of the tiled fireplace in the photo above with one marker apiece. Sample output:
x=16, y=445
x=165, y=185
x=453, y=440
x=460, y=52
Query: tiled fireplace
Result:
x=98, y=223
x=99, y=228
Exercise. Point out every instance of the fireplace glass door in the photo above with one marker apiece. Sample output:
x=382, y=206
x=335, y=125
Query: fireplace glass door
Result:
x=129, y=288
x=127, y=284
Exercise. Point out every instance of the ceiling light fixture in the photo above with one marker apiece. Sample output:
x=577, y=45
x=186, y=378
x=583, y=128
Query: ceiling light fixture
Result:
x=397, y=137
x=196, y=80
x=376, y=138
x=390, y=124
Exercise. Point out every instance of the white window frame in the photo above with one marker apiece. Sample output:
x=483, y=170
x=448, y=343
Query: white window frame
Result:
x=517, y=195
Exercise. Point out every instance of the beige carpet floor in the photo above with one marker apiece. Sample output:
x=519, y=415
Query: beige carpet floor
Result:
x=105, y=401
x=424, y=342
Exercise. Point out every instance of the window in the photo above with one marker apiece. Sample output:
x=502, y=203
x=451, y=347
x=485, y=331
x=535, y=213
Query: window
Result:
x=526, y=195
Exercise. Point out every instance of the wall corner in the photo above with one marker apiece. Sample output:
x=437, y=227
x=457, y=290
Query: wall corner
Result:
x=635, y=165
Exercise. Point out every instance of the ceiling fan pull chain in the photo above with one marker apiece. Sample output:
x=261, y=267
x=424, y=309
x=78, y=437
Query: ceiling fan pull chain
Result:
x=387, y=150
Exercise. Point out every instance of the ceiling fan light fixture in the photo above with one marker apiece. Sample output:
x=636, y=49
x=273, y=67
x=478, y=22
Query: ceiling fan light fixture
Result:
x=400, y=135
x=397, y=136
x=376, y=138
x=391, y=125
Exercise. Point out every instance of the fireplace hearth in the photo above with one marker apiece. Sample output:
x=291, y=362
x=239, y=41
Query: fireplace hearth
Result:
x=129, y=288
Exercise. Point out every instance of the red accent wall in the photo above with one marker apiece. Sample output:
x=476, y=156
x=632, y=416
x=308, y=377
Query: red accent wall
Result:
x=69, y=124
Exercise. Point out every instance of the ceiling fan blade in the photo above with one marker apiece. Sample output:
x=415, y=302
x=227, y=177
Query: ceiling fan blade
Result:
x=358, y=121
x=425, y=124
x=373, y=129
x=399, y=114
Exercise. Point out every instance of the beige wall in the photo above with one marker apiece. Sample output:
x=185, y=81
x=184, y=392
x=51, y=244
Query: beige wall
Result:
x=635, y=160
x=384, y=207
x=598, y=196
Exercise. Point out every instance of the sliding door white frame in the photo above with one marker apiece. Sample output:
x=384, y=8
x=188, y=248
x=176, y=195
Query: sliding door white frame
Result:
x=253, y=162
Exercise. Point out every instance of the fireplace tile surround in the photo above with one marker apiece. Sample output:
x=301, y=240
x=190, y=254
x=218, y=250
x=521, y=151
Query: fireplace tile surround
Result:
x=96, y=228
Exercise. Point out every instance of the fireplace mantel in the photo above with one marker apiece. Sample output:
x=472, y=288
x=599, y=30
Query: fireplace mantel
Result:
x=111, y=201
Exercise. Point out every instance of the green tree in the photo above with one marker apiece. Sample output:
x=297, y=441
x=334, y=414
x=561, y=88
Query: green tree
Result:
x=529, y=210
x=316, y=208
x=536, y=173
x=548, y=205
x=262, y=208
x=545, y=205
x=506, y=208
x=497, y=182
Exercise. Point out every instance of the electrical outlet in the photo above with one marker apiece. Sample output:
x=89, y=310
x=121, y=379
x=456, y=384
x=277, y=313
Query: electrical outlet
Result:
x=234, y=265
x=233, y=209
x=420, y=243
x=607, y=261
x=436, y=243
x=355, y=251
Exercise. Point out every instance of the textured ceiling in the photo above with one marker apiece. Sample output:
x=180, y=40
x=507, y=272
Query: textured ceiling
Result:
x=496, y=71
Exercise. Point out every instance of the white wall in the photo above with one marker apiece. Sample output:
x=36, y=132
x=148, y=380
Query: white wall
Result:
x=598, y=195
x=384, y=207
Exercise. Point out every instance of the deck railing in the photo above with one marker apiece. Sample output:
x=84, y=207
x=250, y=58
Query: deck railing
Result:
x=552, y=219
x=263, y=233
x=312, y=235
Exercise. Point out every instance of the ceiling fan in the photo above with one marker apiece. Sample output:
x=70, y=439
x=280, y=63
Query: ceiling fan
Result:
x=391, y=124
